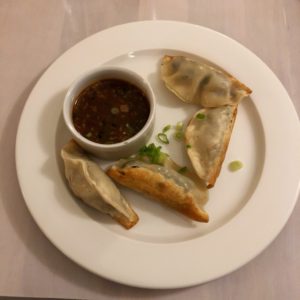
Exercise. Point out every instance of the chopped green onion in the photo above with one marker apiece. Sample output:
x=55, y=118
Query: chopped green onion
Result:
x=166, y=128
x=235, y=165
x=182, y=170
x=89, y=134
x=179, y=131
x=153, y=154
x=178, y=135
x=200, y=116
x=188, y=146
x=162, y=137
x=161, y=158
x=114, y=110
x=179, y=126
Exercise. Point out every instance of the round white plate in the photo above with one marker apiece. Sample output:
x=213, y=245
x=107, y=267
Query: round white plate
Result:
x=247, y=208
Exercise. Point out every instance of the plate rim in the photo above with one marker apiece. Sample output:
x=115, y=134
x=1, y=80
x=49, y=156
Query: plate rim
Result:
x=142, y=283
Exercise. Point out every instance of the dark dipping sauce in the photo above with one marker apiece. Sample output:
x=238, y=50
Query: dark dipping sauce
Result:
x=110, y=111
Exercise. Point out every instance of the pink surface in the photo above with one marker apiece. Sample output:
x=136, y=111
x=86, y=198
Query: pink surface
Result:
x=33, y=34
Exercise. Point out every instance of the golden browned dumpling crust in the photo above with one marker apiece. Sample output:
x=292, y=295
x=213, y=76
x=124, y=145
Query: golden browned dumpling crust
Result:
x=183, y=196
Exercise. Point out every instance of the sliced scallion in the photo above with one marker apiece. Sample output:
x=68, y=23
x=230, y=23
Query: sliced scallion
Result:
x=179, y=130
x=179, y=126
x=235, y=165
x=166, y=128
x=178, y=135
x=162, y=137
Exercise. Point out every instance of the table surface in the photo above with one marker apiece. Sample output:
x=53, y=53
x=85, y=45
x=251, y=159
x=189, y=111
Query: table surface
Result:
x=33, y=34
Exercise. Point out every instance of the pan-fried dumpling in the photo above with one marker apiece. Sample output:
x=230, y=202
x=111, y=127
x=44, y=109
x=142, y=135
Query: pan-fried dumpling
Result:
x=200, y=83
x=208, y=135
x=89, y=183
x=165, y=184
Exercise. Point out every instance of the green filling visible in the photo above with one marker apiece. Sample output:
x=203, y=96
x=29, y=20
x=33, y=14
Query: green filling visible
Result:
x=200, y=116
x=182, y=170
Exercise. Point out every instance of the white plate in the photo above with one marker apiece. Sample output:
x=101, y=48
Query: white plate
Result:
x=165, y=250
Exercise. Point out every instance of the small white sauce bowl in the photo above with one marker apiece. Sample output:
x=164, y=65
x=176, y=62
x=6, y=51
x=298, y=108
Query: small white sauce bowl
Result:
x=117, y=150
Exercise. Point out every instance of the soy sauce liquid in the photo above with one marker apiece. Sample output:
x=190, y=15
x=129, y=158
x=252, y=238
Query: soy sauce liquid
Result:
x=110, y=111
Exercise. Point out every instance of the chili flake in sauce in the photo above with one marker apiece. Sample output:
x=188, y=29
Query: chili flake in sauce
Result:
x=110, y=111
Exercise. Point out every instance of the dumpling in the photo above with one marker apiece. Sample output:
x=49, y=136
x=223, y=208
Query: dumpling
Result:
x=200, y=83
x=165, y=184
x=89, y=183
x=208, y=134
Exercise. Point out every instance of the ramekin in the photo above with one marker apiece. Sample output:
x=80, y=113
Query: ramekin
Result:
x=117, y=150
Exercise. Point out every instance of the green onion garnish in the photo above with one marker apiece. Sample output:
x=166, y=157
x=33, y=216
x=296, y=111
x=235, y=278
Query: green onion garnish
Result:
x=188, y=146
x=162, y=137
x=182, y=170
x=235, y=165
x=178, y=135
x=200, y=116
x=153, y=154
x=179, y=126
x=166, y=128
x=179, y=131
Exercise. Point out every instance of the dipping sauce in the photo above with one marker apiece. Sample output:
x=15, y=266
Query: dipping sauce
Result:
x=110, y=111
